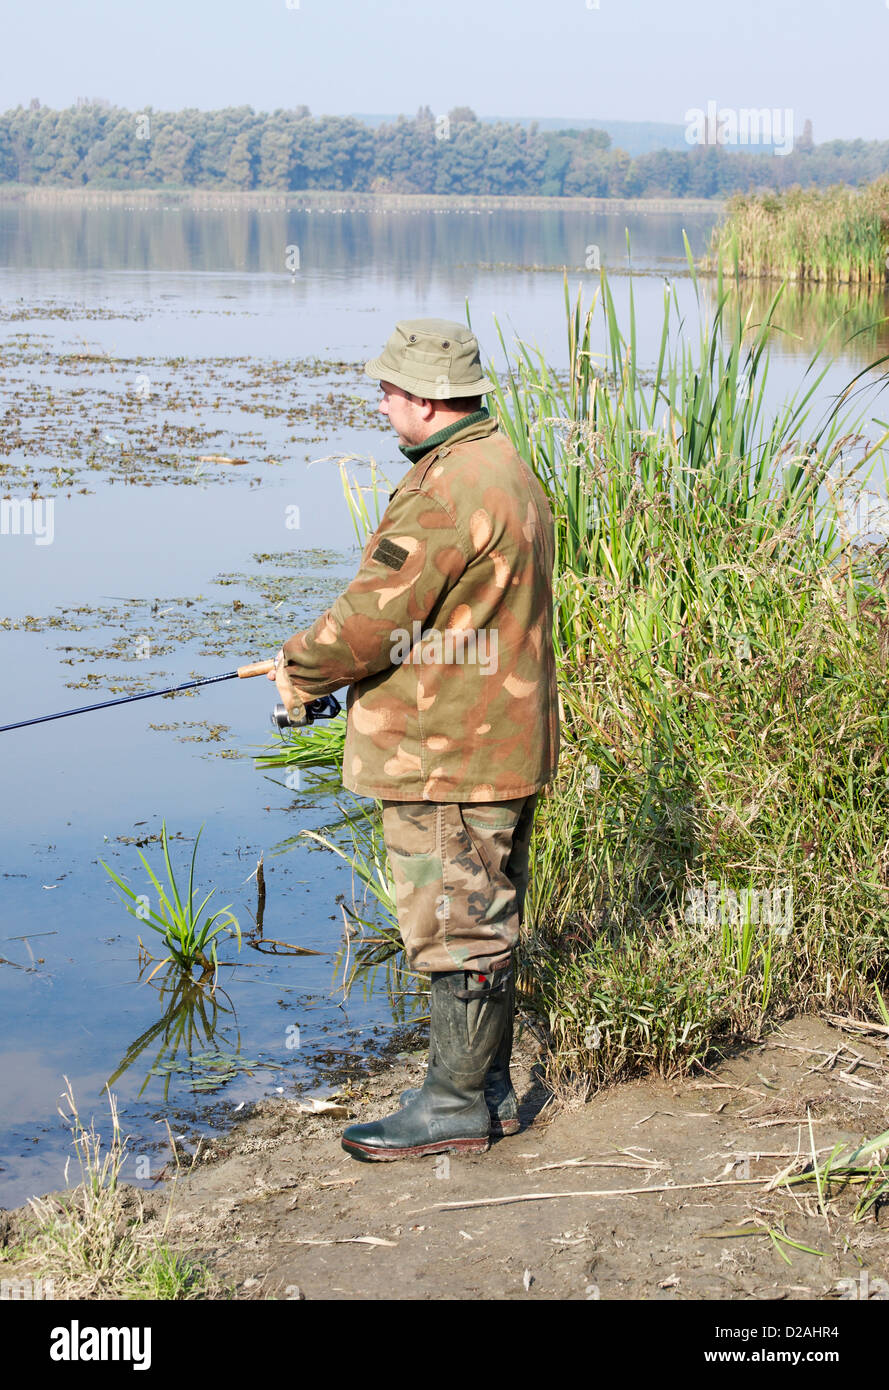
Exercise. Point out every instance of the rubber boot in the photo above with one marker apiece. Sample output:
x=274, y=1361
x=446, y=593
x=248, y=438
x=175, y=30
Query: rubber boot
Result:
x=501, y=1099
x=449, y=1113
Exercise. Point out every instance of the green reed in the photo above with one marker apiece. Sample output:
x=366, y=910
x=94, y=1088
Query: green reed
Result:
x=835, y=234
x=722, y=675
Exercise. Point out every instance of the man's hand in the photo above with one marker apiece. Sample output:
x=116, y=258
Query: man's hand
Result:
x=291, y=698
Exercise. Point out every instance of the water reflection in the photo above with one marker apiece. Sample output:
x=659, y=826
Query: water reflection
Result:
x=199, y=1037
x=398, y=244
x=375, y=966
x=851, y=321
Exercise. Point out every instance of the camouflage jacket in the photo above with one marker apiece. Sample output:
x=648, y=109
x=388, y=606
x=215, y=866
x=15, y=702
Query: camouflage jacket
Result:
x=445, y=633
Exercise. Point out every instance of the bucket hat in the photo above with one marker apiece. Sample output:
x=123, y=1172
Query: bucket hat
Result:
x=432, y=358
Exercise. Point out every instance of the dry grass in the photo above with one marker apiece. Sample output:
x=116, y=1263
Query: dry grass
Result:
x=89, y=1244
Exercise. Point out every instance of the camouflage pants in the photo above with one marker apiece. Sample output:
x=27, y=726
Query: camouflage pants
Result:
x=461, y=874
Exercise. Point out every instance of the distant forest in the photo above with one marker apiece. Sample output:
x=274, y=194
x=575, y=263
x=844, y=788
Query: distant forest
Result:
x=95, y=144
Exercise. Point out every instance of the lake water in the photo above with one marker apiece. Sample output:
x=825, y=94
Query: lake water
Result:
x=134, y=341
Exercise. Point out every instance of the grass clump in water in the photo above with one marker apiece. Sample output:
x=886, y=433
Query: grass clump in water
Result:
x=190, y=936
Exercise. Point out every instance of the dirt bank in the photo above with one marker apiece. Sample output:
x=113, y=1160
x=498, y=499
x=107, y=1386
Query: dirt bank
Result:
x=278, y=1210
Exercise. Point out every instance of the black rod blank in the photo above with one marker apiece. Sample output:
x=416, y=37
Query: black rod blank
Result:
x=119, y=700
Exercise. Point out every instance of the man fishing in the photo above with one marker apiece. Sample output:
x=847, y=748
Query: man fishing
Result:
x=444, y=637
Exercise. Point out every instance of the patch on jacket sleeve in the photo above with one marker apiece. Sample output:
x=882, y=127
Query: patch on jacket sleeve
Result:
x=388, y=553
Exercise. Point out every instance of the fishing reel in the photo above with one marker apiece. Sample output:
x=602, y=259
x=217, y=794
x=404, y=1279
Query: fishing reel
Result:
x=327, y=707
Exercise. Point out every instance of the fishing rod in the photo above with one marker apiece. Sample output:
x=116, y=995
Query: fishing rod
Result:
x=327, y=707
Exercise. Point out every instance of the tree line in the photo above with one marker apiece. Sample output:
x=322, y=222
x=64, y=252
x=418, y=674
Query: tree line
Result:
x=93, y=143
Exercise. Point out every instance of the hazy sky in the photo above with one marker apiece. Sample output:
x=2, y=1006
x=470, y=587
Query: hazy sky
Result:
x=628, y=59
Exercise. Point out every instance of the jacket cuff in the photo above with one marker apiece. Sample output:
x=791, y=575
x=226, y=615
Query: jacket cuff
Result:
x=305, y=686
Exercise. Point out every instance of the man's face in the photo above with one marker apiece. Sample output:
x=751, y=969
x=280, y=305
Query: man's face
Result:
x=408, y=415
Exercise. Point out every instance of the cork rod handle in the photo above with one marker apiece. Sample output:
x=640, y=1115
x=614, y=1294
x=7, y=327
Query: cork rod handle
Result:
x=256, y=668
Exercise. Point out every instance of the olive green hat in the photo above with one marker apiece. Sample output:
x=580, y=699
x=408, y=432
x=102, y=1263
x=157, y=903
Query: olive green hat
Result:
x=432, y=358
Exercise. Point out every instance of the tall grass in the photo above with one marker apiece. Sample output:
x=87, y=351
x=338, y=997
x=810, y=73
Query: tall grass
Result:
x=835, y=234
x=722, y=673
